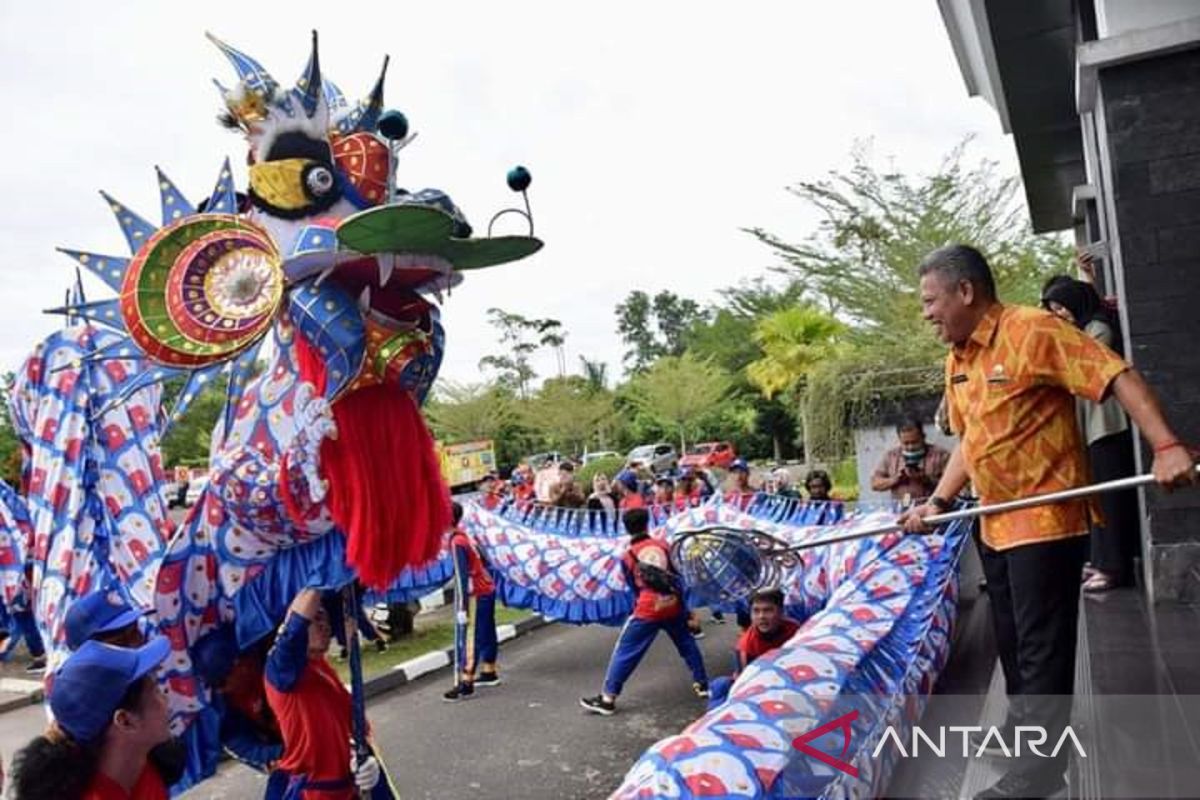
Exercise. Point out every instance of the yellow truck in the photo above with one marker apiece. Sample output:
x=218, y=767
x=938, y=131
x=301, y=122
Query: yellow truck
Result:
x=465, y=463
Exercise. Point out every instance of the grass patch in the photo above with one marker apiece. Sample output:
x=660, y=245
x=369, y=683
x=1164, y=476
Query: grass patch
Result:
x=434, y=633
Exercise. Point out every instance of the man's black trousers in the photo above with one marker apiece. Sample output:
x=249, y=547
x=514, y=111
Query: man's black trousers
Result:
x=1033, y=591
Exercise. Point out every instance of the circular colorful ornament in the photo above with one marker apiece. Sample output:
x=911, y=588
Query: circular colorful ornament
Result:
x=202, y=290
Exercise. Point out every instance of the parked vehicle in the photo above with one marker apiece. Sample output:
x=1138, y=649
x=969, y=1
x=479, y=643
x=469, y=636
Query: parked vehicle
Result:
x=596, y=455
x=709, y=454
x=465, y=463
x=194, y=489
x=538, y=460
x=658, y=457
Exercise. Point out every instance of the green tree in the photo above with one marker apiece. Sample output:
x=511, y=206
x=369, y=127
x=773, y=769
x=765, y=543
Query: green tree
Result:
x=655, y=327
x=595, y=373
x=793, y=342
x=188, y=440
x=569, y=413
x=462, y=412
x=860, y=264
x=522, y=337
x=10, y=444
x=728, y=341
x=679, y=391
x=758, y=297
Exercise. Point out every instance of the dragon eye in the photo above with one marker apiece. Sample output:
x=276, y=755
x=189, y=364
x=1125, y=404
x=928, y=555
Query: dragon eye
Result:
x=319, y=181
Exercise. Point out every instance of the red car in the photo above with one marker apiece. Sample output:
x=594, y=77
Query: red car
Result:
x=709, y=454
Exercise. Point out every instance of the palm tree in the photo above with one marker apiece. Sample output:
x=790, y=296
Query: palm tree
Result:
x=595, y=373
x=793, y=341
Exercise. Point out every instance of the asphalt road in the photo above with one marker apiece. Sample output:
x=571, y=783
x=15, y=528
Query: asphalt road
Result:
x=527, y=738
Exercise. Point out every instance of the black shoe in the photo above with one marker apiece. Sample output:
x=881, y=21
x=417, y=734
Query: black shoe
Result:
x=701, y=690
x=343, y=654
x=487, y=679
x=1020, y=783
x=380, y=646
x=460, y=692
x=987, y=742
x=598, y=705
x=37, y=665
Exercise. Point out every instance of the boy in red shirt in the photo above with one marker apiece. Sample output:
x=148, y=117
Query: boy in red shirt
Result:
x=472, y=580
x=664, y=493
x=522, y=486
x=659, y=607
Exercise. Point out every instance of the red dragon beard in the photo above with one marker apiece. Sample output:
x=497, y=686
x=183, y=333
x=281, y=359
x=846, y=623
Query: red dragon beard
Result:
x=386, y=490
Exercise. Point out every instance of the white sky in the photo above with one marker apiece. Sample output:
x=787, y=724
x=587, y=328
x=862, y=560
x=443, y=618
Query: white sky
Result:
x=653, y=131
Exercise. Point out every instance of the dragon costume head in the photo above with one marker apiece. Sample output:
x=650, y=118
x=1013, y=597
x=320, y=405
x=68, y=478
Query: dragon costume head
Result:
x=324, y=250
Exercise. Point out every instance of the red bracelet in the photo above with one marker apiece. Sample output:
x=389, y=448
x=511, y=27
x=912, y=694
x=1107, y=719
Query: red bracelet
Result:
x=1171, y=445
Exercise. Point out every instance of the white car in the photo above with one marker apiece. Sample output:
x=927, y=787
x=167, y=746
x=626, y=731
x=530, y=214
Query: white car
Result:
x=658, y=457
x=194, y=489
x=538, y=460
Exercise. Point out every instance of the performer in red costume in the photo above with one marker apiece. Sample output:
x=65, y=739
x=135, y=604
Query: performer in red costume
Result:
x=659, y=607
x=313, y=709
x=473, y=582
x=769, y=629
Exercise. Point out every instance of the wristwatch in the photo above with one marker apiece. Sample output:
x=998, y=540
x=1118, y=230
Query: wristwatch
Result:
x=940, y=504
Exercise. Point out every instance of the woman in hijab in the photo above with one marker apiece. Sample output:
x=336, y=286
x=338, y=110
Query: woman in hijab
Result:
x=1109, y=439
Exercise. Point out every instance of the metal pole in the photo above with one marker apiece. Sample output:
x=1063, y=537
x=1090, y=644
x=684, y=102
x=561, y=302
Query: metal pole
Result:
x=459, y=624
x=995, y=508
x=358, y=710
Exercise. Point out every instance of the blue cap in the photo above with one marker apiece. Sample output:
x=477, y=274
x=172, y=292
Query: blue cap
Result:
x=98, y=612
x=90, y=684
x=739, y=464
x=627, y=477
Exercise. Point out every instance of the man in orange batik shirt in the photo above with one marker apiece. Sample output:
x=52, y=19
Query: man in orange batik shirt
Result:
x=1010, y=379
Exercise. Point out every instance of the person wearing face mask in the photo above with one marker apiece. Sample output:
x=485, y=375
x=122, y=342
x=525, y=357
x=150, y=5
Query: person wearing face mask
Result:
x=108, y=715
x=910, y=470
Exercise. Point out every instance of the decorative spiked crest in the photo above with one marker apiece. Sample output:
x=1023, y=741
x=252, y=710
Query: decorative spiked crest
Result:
x=257, y=98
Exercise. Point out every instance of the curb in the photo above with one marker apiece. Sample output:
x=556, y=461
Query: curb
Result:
x=435, y=660
x=25, y=693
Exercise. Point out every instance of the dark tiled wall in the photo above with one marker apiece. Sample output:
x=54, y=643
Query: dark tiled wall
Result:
x=1152, y=110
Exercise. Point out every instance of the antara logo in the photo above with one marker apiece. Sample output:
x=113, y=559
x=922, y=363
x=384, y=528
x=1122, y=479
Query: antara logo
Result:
x=1028, y=739
x=1032, y=736
x=801, y=743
